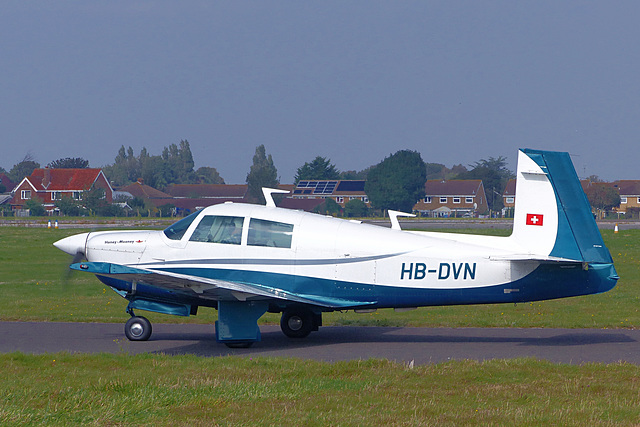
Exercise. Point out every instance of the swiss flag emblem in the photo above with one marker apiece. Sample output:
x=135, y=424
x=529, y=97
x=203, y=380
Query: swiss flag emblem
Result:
x=534, y=219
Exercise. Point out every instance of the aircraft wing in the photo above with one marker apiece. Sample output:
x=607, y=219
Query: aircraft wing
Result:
x=209, y=288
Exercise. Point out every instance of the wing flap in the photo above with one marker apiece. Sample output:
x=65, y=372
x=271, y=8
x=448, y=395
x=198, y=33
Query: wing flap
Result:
x=210, y=288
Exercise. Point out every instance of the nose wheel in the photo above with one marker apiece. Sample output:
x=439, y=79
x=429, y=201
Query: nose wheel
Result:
x=137, y=328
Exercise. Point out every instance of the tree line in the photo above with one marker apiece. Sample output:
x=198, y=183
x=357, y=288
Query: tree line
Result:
x=397, y=182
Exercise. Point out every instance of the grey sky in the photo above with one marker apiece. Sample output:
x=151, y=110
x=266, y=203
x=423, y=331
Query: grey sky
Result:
x=350, y=80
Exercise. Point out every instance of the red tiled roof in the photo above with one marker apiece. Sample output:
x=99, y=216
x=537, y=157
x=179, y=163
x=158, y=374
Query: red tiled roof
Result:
x=235, y=191
x=64, y=179
x=144, y=191
x=627, y=187
x=510, y=189
x=453, y=187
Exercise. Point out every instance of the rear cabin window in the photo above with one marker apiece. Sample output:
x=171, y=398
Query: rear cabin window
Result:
x=219, y=229
x=270, y=233
x=177, y=230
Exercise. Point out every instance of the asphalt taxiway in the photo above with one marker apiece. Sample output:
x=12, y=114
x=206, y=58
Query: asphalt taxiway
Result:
x=336, y=343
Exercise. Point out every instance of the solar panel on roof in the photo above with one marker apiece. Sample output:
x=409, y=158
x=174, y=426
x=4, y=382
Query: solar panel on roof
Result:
x=351, y=186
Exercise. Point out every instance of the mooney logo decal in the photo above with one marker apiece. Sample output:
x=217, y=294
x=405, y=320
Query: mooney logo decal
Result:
x=534, y=219
x=419, y=271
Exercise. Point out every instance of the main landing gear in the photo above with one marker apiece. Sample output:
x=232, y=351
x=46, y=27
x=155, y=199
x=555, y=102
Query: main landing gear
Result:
x=299, y=322
x=137, y=328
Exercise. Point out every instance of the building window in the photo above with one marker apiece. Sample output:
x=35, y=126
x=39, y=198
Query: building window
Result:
x=77, y=195
x=340, y=199
x=638, y=200
x=366, y=199
x=443, y=200
x=456, y=200
x=468, y=199
x=623, y=200
x=56, y=195
x=510, y=200
x=427, y=199
x=25, y=194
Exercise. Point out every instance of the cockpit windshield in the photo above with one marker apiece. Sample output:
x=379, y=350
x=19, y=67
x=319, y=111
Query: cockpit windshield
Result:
x=177, y=230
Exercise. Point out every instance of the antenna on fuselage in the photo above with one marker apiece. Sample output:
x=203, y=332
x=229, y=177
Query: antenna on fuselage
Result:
x=393, y=216
x=268, y=195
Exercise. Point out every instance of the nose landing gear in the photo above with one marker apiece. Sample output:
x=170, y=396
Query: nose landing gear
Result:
x=137, y=328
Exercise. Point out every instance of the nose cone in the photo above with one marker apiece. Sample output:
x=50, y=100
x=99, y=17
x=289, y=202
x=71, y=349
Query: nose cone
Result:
x=72, y=244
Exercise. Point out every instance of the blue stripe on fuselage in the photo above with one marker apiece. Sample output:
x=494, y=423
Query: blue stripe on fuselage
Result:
x=547, y=281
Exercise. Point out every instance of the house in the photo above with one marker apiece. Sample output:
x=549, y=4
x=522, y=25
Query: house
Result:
x=341, y=191
x=50, y=185
x=453, y=198
x=509, y=194
x=143, y=191
x=629, y=191
x=217, y=193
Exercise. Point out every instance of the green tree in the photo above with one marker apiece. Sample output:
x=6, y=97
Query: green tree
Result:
x=494, y=175
x=69, y=163
x=355, y=208
x=263, y=173
x=319, y=168
x=23, y=169
x=361, y=175
x=3, y=188
x=208, y=175
x=329, y=207
x=68, y=206
x=602, y=197
x=35, y=207
x=397, y=182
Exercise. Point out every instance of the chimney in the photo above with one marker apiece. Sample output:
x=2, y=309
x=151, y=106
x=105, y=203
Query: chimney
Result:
x=46, y=181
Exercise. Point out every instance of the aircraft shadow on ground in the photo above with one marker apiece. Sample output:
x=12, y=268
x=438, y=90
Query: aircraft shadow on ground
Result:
x=328, y=336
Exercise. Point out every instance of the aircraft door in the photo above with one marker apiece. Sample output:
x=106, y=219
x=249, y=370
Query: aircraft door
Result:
x=355, y=267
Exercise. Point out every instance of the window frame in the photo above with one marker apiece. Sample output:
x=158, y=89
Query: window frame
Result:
x=281, y=237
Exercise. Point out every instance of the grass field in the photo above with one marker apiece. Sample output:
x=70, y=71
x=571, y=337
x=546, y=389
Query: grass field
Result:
x=61, y=389
x=34, y=287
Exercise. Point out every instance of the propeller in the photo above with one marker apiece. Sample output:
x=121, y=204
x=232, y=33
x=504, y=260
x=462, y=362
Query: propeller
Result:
x=73, y=245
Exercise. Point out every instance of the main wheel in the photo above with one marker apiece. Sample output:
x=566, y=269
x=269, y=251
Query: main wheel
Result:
x=297, y=322
x=138, y=328
x=239, y=344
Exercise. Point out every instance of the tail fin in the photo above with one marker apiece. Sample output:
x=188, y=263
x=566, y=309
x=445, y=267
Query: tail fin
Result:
x=552, y=214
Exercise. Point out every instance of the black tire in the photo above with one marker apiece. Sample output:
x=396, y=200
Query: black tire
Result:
x=239, y=344
x=137, y=328
x=297, y=322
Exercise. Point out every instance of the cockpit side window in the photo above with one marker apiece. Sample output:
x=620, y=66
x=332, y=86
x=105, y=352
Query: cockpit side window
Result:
x=219, y=229
x=270, y=233
x=176, y=231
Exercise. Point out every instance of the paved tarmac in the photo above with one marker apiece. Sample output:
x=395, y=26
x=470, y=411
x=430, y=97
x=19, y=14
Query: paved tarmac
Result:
x=422, y=345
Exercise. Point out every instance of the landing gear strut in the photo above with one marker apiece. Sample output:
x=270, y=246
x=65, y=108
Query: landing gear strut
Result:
x=137, y=328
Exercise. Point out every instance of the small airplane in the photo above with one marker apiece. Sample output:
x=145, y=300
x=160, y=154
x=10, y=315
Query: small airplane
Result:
x=245, y=260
